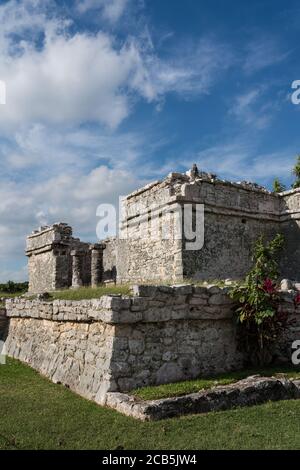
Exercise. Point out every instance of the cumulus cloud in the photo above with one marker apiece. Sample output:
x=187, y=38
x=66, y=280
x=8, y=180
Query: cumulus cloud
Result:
x=53, y=75
x=71, y=80
x=71, y=197
x=68, y=91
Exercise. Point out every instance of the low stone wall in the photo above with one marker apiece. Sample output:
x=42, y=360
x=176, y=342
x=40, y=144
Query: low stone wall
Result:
x=161, y=334
x=253, y=390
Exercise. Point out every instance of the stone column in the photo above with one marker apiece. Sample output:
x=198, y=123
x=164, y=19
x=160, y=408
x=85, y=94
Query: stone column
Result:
x=76, y=268
x=96, y=264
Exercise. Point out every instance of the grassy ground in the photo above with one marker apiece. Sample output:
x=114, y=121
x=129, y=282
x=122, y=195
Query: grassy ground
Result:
x=95, y=292
x=6, y=295
x=36, y=414
x=191, y=386
x=90, y=292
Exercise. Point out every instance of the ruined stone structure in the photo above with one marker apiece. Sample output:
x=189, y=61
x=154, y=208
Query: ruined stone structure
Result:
x=158, y=335
x=103, y=347
x=58, y=261
x=236, y=214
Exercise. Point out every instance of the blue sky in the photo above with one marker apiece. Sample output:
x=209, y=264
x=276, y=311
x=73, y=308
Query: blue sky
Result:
x=104, y=96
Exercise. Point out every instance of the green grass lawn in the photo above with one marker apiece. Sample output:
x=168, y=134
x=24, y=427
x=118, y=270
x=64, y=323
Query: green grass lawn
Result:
x=9, y=295
x=36, y=414
x=192, y=386
x=90, y=292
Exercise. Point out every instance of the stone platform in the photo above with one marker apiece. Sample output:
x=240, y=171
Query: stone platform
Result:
x=254, y=390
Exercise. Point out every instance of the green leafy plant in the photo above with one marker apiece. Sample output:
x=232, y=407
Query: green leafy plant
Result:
x=278, y=187
x=259, y=321
x=296, y=172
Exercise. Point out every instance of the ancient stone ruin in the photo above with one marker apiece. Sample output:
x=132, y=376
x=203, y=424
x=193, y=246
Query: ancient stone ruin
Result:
x=56, y=260
x=236, y=214
x=158, y=335
x=163, y=332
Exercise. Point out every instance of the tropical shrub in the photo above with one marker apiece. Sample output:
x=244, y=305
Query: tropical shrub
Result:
x=259, y=321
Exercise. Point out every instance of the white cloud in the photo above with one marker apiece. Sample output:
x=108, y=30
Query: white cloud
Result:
x=252, y=108
x=71, y=197
x=53, y=76
x=47, y=151
x=71, y=80
x=263, y=52
x=240, y=160
x=192, y=70
x=62, y=151
x=111, y=10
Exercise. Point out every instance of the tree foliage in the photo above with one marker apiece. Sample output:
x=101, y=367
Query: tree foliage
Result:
x=296, y=172
x=14, y=287
x=278, y=187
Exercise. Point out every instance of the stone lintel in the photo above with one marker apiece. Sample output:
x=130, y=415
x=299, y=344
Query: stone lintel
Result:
x=45, y=248
x=78, y=252
x=97, y=246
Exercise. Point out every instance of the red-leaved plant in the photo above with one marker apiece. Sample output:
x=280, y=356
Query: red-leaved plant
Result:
x=259, y=319
x=297, y=299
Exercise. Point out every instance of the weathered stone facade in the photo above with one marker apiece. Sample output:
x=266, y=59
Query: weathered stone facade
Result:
x=161, y=334
x=235, y=215
x=56, y=260
x=148, y=247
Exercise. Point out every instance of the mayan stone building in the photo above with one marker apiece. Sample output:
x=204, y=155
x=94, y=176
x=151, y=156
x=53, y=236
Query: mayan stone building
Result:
x=235, y=215
x=57, y=260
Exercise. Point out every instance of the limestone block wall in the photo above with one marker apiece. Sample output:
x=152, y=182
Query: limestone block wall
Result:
x=160, y=334
x=110, y=259
x=236, y=214
x=241, y=198
x=144, y=252
x=228, y=246
x=42, y=272
x=50, y=261
x=290, y=223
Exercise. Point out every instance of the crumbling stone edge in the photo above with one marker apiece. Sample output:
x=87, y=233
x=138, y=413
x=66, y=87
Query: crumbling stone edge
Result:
x=251, y=391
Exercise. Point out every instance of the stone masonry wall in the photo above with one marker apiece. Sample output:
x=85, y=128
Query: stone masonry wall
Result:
x=143, y=253
x=148, y=247
x=110, y=259
x=236, y=214
x=161, y=334
x=228, y=247
x=42, y=269
x=290, y=217
x=50, y=260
